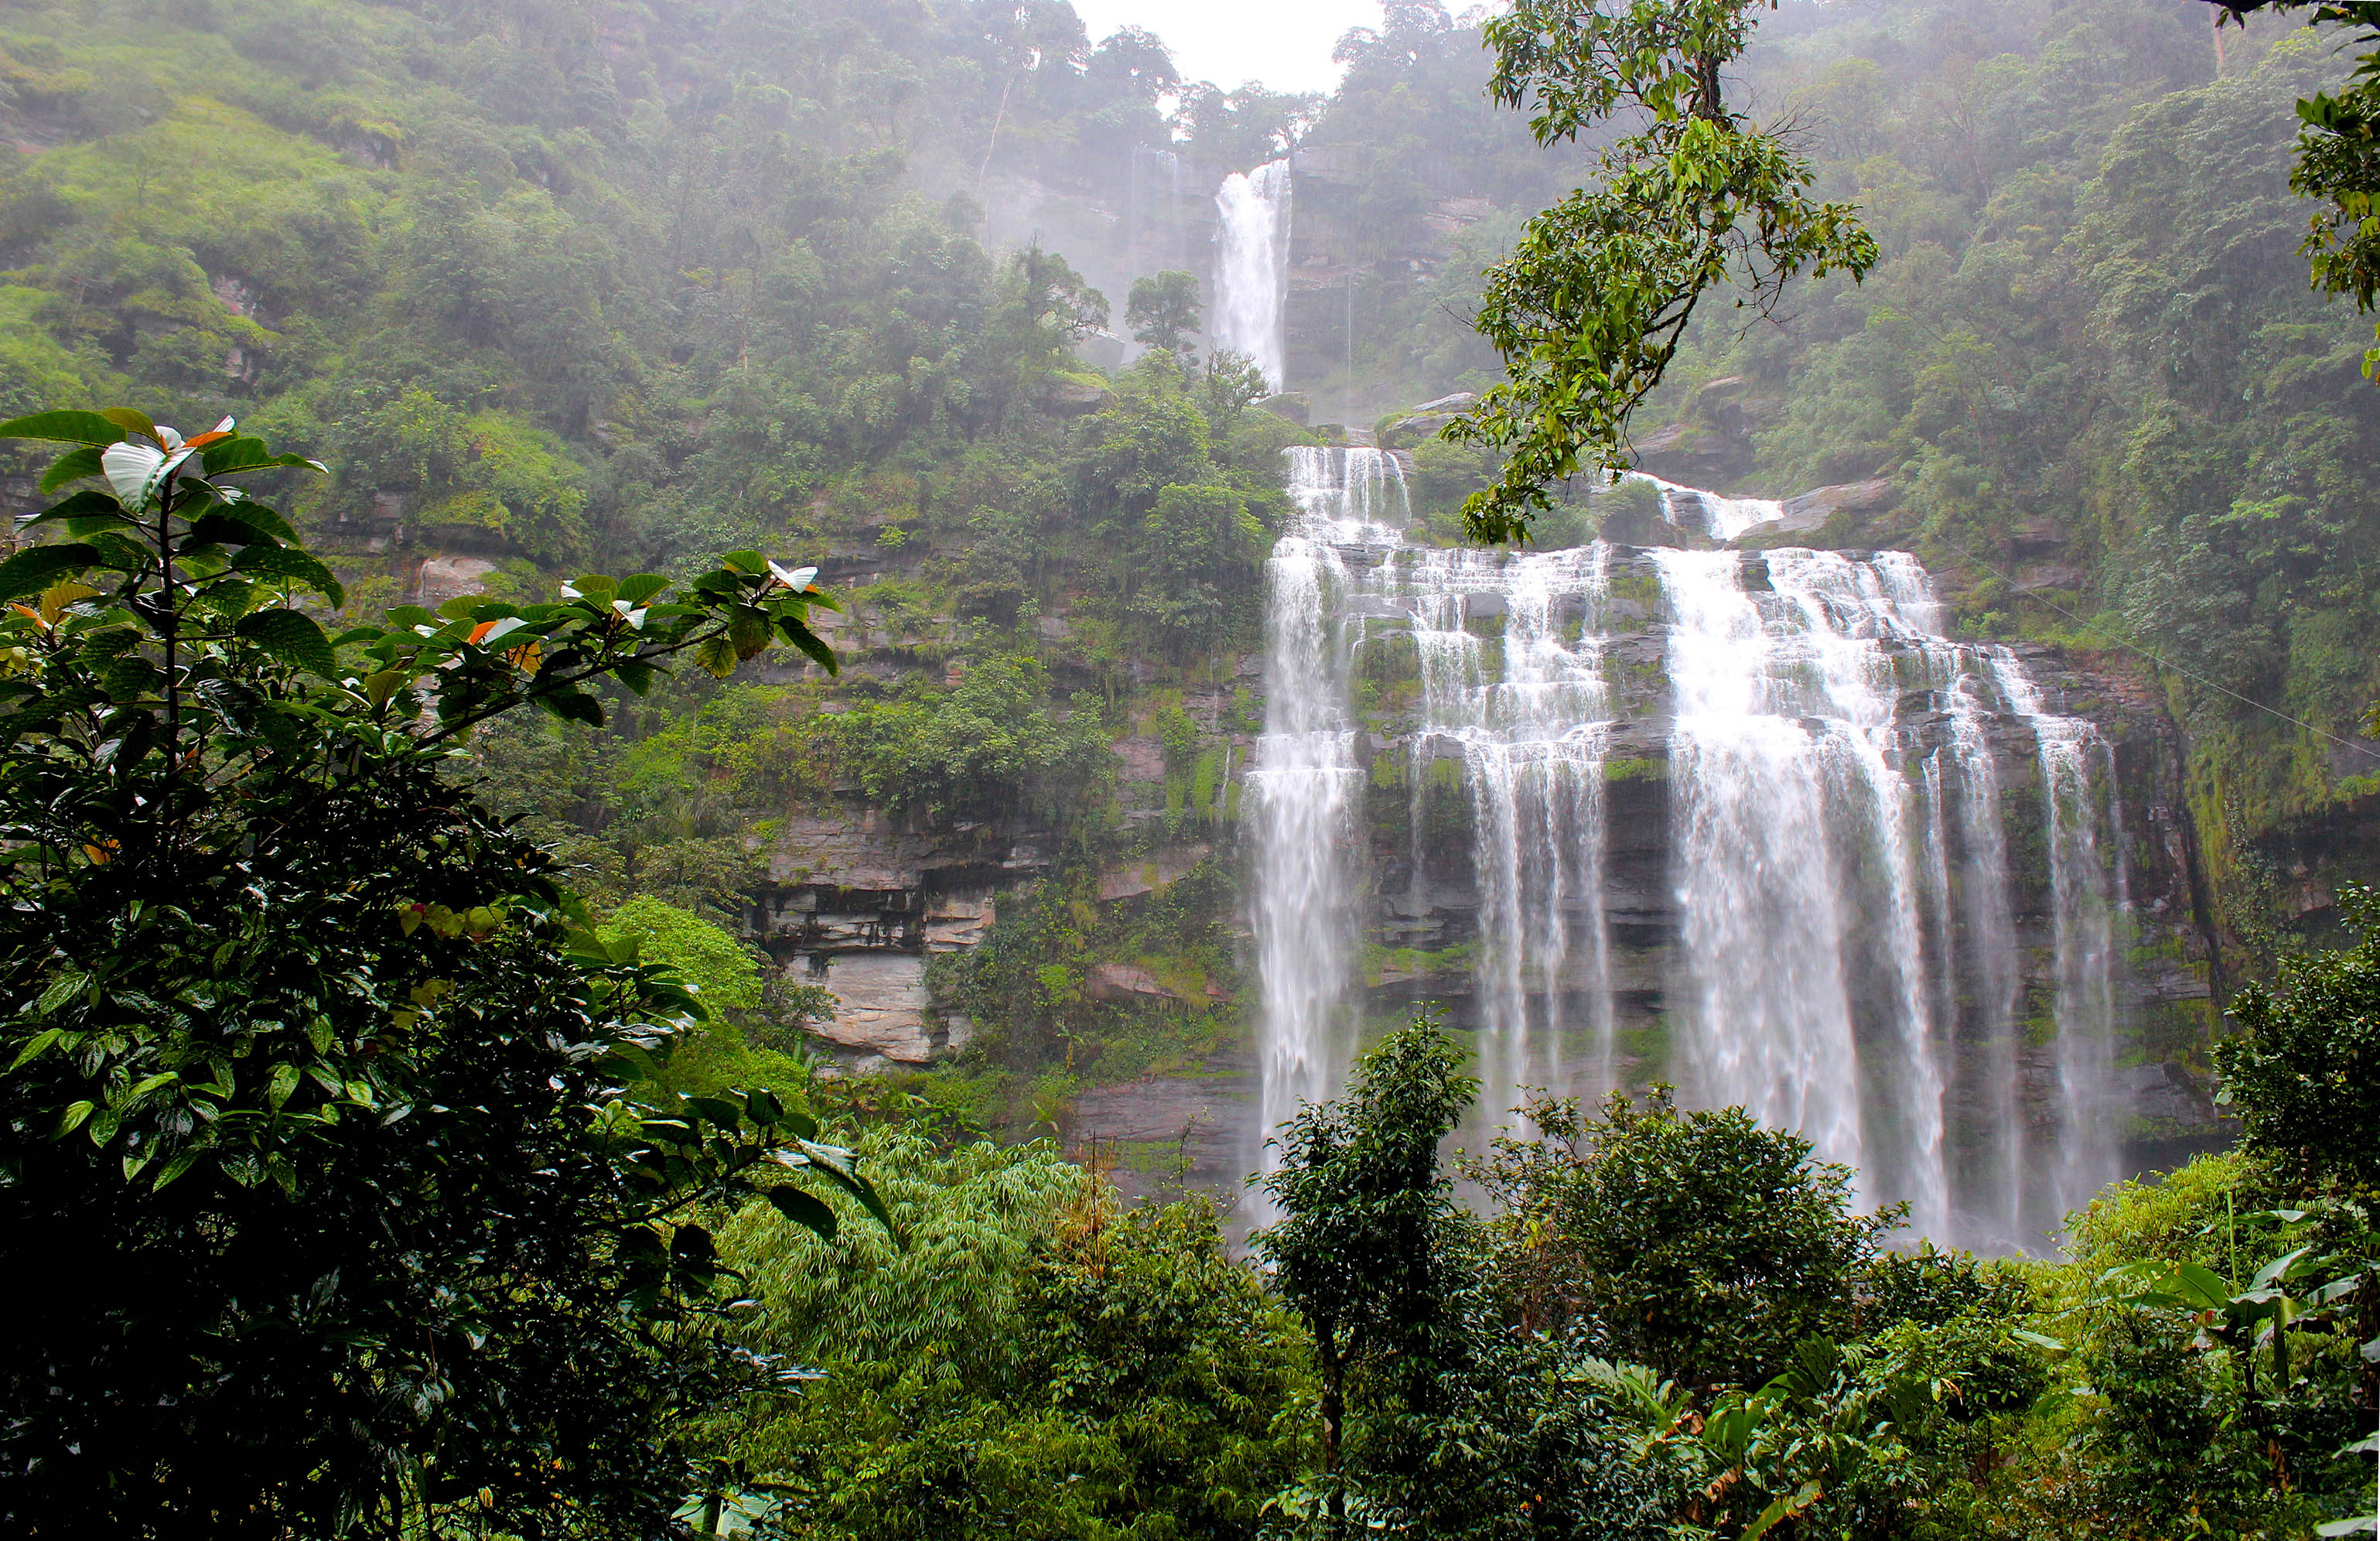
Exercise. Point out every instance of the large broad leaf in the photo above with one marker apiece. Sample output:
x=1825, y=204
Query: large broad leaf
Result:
x=804, y=1209
x=643, y=586
x=573, y=705
x=34, y=568
x=243, y=523
x=137, y=469
x=716, y=654
x=289, y=563
x=240, y=453
x=835, y=1165
x=790, y=628
x=73, y=466
x=290, y=637
x=132, y=420
x=66, y=428
x=88, y=504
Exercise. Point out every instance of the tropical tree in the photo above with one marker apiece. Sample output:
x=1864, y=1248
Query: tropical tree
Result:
x=2303, y=1077
x=1162, y=310
x=1591, y=305
x=1696, y=1242
x=330, y=1119
x=1362, y=1249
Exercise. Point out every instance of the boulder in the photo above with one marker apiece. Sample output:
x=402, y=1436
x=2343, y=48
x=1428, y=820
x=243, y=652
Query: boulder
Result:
x=1162, y=870
x=1102, y=350
x=1073, y=396
x=1407, y=429
x=1117, y=982
x=445, y=577
x=1810, y=512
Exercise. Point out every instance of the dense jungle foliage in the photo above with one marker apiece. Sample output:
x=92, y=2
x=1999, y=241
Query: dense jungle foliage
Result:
x=407, y=1137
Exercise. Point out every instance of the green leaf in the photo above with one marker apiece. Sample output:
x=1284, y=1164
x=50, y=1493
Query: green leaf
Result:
x=129, y=419
x=717, y=1110
x=73, y=466
x=242, y=453
x=792, y=629
x=643, y=586
x=34, y=568
x=2048, y=1344
x=1781, y=1510
x=834, y=1164
x=290, y=562
x=285, y=1081
x=39, y=1041
x=804, y=1209
x=291, y=639
x=67, y=427
x=255, y=517
x=175, y=1168
x=62, y=990
x=379, y=687
x=88, y=504
x=717, y=655
x=573, y=705
x=150, y=1084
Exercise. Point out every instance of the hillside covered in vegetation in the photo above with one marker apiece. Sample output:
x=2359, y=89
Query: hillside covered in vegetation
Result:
x=762, y=1042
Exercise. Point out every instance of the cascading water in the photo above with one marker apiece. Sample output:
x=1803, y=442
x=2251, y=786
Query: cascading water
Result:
x=1848, y=954
x=1306, y=787
x=1523, y=715
x=1520, y=716
x=1843, y=948
x=2087, y=896
x=1252, y=268
x=1693, y=508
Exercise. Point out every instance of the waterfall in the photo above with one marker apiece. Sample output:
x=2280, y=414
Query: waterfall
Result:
x=1797, y=877
x=1693, y=508
x=1249, y=312
x=1306, y=786
x=2086, y=896
x=1848, y=951
x=1526, y=720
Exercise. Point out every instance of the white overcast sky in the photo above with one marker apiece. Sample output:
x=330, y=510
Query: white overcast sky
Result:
x=1284, y=43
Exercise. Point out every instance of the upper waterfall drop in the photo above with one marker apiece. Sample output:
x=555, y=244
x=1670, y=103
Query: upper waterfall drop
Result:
x=1723, y=518
x=1251, y=298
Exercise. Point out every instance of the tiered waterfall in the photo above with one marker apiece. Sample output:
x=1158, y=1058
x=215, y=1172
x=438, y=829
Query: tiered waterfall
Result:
x=1843, y=955
x=1750, y=823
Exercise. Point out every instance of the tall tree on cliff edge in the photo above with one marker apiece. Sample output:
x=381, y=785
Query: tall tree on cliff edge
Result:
x=335, y=1175
x=1589, y=308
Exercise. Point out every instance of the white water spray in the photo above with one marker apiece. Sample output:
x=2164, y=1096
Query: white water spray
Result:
x=1250, y=310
